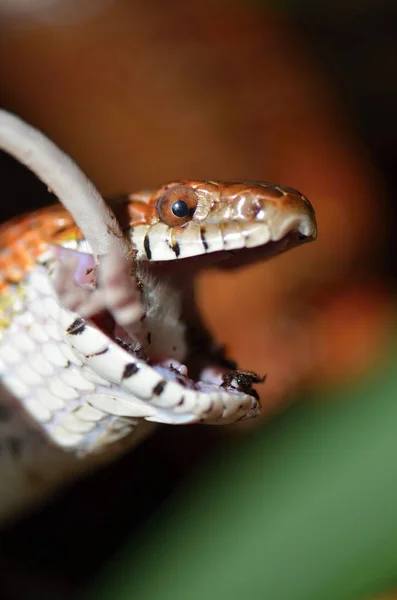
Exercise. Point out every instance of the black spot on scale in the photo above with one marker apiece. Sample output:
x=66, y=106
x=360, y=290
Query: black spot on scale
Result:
x=129, y=370
x=181, y=401
x=203, y=240
x=175, y=247
x=76, y=327
x=146, y=245
x=159, y=388
x=97, y=353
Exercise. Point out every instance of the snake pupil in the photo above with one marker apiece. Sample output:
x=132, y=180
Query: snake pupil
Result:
x=180, y=209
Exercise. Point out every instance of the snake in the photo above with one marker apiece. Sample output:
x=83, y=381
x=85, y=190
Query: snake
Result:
x=101, y=338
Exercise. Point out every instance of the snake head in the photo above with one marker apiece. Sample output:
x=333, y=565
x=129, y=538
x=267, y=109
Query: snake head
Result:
x=214, y=220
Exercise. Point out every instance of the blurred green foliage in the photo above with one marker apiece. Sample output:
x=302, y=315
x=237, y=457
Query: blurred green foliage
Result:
x=303, y=509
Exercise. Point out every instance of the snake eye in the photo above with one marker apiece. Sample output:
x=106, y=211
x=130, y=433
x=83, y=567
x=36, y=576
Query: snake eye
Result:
x=180, y=209
x=177, y=205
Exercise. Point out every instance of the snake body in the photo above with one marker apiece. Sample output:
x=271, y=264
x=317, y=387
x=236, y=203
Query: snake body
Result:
x=97, y=345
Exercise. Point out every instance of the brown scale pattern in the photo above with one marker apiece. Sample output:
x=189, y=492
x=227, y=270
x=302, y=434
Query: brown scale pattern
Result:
x=140, y=208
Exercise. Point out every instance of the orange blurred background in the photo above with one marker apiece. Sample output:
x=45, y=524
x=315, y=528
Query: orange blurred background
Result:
x=140, y=93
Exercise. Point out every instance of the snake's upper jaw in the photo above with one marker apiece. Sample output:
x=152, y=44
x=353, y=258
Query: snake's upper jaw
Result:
x=255, y=221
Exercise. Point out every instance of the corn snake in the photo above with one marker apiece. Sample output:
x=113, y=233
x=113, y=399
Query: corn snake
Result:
x=100, y=336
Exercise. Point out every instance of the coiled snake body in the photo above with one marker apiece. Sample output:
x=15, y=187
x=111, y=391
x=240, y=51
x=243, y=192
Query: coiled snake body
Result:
x=99, y=333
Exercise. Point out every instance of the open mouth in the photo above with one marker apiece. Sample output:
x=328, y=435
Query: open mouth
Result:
x=206, y=360
x=145, y=335
x=178, y=346
x=124, y=339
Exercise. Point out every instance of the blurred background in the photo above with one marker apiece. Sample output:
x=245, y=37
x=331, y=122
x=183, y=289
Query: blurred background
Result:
x=300, y=505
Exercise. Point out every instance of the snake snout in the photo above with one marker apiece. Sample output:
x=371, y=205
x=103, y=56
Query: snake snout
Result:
x=290, y=214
